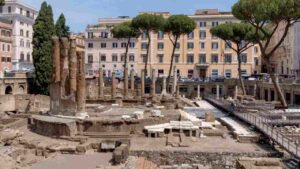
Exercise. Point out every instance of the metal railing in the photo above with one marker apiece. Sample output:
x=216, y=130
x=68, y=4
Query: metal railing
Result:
x=261, y=123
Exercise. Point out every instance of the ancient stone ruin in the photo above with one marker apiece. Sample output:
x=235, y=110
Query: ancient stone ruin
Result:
x=67, y=90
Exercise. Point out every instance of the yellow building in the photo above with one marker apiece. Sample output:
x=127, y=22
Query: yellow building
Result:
x=199, y=54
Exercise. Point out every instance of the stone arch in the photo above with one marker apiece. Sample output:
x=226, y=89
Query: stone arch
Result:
x=21, y=89
x=8, y=90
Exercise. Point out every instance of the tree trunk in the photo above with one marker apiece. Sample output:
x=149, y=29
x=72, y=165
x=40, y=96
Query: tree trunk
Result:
x=276, y=84
x=240, y=73
x=126, y=54
x=172, y=62
x=147, y=57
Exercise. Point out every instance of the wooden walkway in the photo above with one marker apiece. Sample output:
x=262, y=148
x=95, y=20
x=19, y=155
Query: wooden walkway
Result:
x=263, y=125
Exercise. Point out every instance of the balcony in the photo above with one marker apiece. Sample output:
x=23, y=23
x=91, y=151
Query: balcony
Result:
x=6, y=39
x=202, y=65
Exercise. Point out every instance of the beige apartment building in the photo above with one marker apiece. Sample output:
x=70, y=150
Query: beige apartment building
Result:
x=198, y=54
x=286, y=59
x=6, y=44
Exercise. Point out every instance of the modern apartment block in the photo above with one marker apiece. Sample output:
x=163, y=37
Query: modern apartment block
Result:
x=286, y=59
x=102, y=50
x=198, y=54
x=22, y=17
x=6, y=42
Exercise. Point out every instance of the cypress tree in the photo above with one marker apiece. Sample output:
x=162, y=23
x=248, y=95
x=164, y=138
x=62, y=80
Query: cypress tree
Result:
x=61, y=29
x=42, y=49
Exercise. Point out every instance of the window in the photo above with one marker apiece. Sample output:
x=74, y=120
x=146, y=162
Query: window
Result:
x=1, y=9
x=214, y=45
x=190, y=45
x=90, y=58
x=228, y=45
x=177, y=46
x=144, y=45
x=176, y=58
x=228, y=73
x=243, y=58
x=131, y=58
x=21, y=11
x=190, y=73
x=160, y=46
x=8, y=48
x=3, y=59
x=191, y=35
x=202, y=58
x=144, y=56
x=22, y=43
x=214, y=73
x=3, y=47
x=28, y=14
x=123, y=45
x=8, y=59
x=256, y=61
x=202, y=34
x=228, y=58
x=244, y=72
x=190, y=59
x=21, y=32
x=160, y=72
x=122, y=57
x=90, y=34
x=103, y=58
x=202, y=45
x=90, y=45
x=114, y=58
x=144, y=35
x=131, y=44
x=103, y=45
x=9, y=9
x=27, y=34
x=115, y=45
x=214, y=23
x=160, y=58
x=202, y=24
x=22, y=58
x=104, y=35
x=28, y=44
x=255, y=49
x=160, y=35
x=214, y=58
x=28, y=57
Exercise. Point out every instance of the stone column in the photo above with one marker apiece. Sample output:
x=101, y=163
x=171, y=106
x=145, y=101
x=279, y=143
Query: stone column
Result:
x=55, y=89
x=177, y=92
x=218, y=92
x=164, y=86
x=254, y=90
x=80, y=84
x=132, y=81
x=153, y=89
x=101, y=86
x=125, y=83
x=198, y=91
x=174, y=80
x=73, y=67
x=236, y=92
x=64, y=65
x=143, y=83
x=113, y=86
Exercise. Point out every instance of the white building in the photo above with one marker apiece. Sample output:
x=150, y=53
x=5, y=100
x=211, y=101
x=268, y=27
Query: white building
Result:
x=22, y=17
x=102, y=50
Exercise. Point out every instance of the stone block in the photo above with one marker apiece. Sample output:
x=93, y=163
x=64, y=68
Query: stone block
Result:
x=210, y=117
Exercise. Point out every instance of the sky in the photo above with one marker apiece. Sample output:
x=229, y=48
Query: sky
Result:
x=80, y=13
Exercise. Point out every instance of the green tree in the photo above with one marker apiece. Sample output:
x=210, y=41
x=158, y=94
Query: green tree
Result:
x=268, y=16
x=125, y=31
x=61, y=29
x=239, y=37
x=175, y=26
x=43, y=31
x=2, y=2
x=147, y=23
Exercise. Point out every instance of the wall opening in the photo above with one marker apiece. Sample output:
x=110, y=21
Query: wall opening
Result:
x=8, y=90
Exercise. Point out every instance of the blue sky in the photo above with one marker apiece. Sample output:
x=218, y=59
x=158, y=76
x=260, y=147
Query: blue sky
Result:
x=80, y=13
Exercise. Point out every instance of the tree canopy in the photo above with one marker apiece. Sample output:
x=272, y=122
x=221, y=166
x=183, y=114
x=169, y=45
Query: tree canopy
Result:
x=42, y=48
x=179, y=24
x=125, y=30
x=148, y=22
x=61, y=29
x=2, y=2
